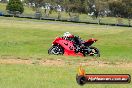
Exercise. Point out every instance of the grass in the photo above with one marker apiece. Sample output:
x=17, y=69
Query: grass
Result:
x=2, y=7
x=30, y=39
x=36, y=76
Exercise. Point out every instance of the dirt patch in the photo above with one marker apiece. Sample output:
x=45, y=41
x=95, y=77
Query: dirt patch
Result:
x=53, y=62
x=40, y=62
x=106, y=64
x=60, y=62
x=15, y=61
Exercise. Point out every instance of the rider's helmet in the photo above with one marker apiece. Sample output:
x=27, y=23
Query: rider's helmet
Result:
x=68, y=36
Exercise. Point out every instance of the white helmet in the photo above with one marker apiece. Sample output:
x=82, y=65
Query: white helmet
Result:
x=67, y=34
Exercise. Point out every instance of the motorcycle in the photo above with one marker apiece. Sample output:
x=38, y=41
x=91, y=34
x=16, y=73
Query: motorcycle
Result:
x=62, y=46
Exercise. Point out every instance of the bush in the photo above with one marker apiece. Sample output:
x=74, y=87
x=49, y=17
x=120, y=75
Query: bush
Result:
x=15, y=6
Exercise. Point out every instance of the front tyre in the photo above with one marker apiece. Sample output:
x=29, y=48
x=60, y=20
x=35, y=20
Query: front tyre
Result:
x=56, y=50
x=94, y=52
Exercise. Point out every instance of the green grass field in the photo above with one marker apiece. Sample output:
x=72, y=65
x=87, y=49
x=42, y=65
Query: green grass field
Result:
x=30, y=39
x=36, y=76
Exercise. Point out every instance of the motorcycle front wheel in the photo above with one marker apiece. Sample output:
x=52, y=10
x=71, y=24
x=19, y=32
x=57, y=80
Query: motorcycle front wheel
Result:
x=56, y=50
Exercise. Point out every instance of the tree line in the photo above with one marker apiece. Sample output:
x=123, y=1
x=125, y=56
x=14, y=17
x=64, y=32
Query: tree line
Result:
x=95, y=8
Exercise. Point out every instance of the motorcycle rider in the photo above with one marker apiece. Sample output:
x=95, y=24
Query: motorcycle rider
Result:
x=68, y=36
x=78, y=42
x=71, y=37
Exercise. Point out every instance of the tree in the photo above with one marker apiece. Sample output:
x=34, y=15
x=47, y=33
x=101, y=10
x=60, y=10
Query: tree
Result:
x=73, y=8
x=37, y=6
x=128, y=10
x=15, y=7
x=97, y=8
x=121, y=8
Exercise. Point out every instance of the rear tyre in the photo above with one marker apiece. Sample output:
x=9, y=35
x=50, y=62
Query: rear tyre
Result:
x=56, y=50
x=94, y=52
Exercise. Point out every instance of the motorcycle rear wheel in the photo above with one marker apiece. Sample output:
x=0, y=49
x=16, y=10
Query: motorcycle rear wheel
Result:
x=56, y=50
x=94, y=51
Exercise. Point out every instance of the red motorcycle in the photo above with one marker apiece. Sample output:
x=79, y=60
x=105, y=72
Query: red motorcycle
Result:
x=74, y=47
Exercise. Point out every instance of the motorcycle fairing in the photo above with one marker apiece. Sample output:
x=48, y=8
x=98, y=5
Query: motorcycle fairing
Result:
x=90, y=41
x=68, y=46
